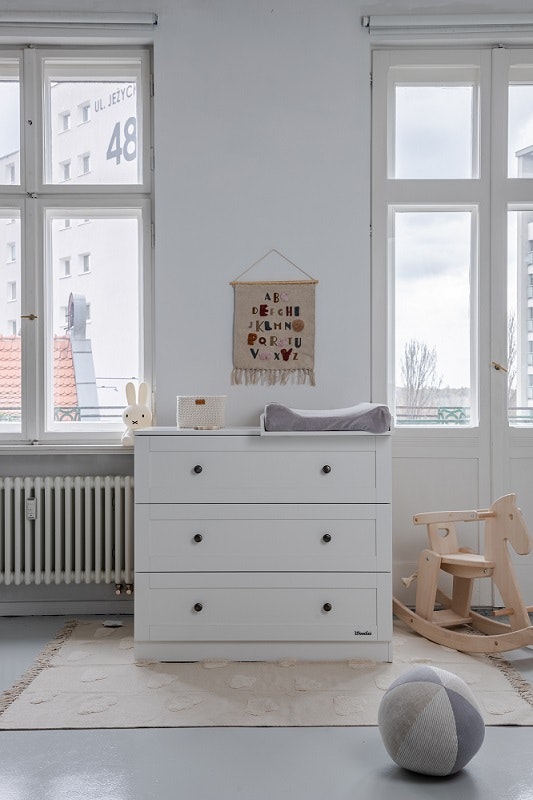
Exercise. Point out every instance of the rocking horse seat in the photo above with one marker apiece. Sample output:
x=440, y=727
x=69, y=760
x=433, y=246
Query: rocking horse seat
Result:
x=467, y=565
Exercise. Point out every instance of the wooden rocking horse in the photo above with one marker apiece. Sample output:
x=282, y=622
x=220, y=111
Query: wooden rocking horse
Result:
x=504, y=524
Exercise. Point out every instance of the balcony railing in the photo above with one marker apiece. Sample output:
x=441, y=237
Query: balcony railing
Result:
x=432, y=415
x=454, y=415
x=68, y=413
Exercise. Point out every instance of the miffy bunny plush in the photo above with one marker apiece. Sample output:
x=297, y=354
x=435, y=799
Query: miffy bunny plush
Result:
x=137, y=414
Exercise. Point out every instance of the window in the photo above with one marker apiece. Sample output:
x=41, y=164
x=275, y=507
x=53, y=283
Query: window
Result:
x=85, y=163
x=64, y=269
x=10, y=68
x=85, y=262
x=82, y=212
x=84, y=111
x=446, y=176
x=64, y=121
x=426, y=154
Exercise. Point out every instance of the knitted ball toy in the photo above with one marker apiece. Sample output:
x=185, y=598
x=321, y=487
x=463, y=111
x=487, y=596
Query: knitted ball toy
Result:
x=430, y=721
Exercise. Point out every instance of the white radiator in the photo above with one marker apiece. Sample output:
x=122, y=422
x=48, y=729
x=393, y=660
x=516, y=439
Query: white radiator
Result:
x=67, y=530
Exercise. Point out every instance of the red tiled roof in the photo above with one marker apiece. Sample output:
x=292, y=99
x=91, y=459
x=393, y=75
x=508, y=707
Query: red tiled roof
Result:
x=65, y=392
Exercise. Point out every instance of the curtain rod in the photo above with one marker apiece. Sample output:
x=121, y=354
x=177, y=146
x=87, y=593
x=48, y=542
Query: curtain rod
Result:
x=488, y=29
x=85, y=19
x=480, y=22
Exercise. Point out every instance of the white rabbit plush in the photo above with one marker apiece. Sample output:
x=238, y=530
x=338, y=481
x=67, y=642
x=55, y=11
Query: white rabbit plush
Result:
x=137, y=414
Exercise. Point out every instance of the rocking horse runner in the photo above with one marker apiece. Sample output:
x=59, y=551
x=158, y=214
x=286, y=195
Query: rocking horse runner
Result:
x=504, y=525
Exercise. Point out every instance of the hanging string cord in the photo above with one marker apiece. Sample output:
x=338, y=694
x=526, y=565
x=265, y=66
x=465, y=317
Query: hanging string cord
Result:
x=273, y=250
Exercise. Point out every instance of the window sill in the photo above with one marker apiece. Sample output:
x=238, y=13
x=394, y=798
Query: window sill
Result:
x=64, y=449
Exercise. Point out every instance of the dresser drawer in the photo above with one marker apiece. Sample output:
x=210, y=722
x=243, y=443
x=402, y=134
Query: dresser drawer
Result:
x=250, y=469
x=263, y=607
x=267, y=538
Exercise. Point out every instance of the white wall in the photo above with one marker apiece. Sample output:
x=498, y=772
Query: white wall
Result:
x=259, y=114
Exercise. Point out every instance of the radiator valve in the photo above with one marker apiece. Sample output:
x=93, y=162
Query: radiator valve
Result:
x=118, y=588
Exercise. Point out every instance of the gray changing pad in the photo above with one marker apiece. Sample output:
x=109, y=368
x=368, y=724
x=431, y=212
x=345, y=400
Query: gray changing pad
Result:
x=368, y=417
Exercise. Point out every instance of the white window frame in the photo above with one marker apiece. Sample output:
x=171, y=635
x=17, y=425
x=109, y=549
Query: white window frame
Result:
x=389, y=193
x=33, y=199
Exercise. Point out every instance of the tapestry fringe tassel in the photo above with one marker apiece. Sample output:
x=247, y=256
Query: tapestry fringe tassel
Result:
x=270, y=377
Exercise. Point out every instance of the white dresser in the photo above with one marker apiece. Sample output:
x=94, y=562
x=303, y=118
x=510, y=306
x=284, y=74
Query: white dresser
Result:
x=261, y=547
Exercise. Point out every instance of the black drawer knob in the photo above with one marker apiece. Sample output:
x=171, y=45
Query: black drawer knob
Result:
x=327, y=607
x=198, y=607
x=197, y=537
x=197, y=469
x=326, y=469
x=326, y=538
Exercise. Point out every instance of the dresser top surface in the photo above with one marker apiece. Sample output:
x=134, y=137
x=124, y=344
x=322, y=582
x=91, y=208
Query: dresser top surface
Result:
x=245, y=431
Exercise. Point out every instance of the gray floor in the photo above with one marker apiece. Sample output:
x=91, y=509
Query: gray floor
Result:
x=224, y=763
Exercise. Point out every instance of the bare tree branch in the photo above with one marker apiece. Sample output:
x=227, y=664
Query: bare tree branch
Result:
x=419, y=375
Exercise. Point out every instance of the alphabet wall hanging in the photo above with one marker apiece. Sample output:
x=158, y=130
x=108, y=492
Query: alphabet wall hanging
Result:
x=274, y=329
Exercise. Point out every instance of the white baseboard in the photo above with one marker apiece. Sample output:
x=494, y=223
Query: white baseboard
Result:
x=66, y=608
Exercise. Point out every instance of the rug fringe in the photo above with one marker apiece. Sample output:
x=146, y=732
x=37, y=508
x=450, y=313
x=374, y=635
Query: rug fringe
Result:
x=41, y=662
x=522, y=687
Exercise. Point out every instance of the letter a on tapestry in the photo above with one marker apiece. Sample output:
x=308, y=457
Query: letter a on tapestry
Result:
x=274, y=331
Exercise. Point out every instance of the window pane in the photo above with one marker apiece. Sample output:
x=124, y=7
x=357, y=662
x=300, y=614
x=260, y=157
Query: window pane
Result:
x=520, y=139
x=434, y=131
x=9, y=122
x=520, y=318
x=94, y=315
x=432, y=267
x=10, y=322
x=93, y=121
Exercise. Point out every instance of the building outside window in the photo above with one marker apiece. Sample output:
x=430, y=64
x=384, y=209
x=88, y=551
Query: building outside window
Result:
x=61, y=213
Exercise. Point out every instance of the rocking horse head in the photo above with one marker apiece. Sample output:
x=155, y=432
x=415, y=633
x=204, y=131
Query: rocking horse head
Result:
x=505, y=522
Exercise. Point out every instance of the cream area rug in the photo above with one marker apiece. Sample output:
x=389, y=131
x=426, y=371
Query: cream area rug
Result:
x=88, y=678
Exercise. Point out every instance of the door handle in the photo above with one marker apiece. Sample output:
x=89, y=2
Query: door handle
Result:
x=498, y=367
